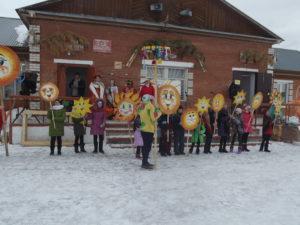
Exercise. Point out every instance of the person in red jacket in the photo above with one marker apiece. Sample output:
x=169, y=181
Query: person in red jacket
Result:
x=247, y=118
x=267, y=132
x=147, y=89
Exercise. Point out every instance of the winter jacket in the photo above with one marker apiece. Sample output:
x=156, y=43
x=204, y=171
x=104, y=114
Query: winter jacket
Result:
x=199, y=134
x=59, y=118
x=207, y=124
x=78, y=126
x=267, y=126
x=223, y=123
x=237, y=124
x=247, y=121
x=148, y=115
x=212, y=117
x=98, y=117
x=233, y=90
x=175, y=121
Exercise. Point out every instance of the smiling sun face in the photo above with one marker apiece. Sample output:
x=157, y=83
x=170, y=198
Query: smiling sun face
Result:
x=190, y=119
x=49, y=92
x=203, y=105
x=168, y=99
x=239, y=98
x=218, y=102
x=257, y=101
x=126, y=106
x=9, y=66
x=81, y=108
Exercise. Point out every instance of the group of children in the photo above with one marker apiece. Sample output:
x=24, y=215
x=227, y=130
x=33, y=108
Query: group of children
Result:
x=230, y=127
x=57, y=115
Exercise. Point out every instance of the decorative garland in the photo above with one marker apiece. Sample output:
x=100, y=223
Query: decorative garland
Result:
x=66, y=43
x=253, y=56
x=165, y=49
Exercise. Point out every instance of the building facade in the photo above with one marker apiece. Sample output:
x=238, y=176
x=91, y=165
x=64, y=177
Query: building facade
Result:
x=212, y=43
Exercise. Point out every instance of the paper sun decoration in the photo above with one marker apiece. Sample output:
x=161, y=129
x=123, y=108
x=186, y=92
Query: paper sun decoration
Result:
x=9, y=66
x=218, y=102
x=277, y=100
x=202, y=105
x=81, y=108
x=126, y=106
x=49, y=92
x=168, y=99
x=257, y=100
x=190, y=119
x=239, y=98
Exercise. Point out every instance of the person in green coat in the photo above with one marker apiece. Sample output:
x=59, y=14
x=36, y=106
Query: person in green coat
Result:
x=198, y=137
x=56, y=114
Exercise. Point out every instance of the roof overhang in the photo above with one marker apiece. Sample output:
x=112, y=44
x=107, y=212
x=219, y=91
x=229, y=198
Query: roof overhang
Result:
x=26, y=14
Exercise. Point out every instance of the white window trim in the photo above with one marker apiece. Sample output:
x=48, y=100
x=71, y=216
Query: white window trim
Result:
x=71, y=61
x=245, y=69
x=283, y=81
x=186, y=65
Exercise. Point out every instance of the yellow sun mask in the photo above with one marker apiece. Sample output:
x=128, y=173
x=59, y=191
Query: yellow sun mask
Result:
x=190, y=119
x=218, y=102
x=81, y=108
x=202, y=105
x=168, y=99
x=257, y=101
x=126, y=106
x=239, y=98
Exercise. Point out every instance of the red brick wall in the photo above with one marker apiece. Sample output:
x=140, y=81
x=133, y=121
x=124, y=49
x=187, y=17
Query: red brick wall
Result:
x=221, y=54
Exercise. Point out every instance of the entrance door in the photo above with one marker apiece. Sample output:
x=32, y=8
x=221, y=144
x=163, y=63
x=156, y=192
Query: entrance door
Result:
x=70, y=75
x=247, y=80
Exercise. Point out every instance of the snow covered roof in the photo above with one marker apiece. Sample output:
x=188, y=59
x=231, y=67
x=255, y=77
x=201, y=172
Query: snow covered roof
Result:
x=287, y=60
x=9, y=28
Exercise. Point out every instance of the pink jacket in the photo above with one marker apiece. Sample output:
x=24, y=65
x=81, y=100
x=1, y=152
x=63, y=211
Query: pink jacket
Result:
x=247, y=121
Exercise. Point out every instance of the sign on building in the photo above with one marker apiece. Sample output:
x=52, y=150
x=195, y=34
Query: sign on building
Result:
x=103, y=46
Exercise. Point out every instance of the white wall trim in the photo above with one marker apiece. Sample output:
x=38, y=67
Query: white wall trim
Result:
x=283, y=81
x=71, y=61
x=245, y=69
x=170, y=64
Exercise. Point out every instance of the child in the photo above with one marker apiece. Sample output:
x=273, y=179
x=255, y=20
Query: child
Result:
x=56, y=115
x=267, y=132
x=79, y=132
x=209, y=127
x=198, y=138
x=164, y=141
x=98, y=117
x=148, y=114
x=247, y=117
x=223, y=128
x=138, y=139
x=237, y=129
x=178, y=132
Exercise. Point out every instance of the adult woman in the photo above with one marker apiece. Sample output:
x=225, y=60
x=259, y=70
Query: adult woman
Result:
x=97, y=89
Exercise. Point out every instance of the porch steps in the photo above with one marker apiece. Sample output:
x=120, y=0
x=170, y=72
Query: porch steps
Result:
x=120, y=135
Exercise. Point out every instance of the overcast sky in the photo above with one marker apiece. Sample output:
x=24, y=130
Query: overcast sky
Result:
x=281, y=17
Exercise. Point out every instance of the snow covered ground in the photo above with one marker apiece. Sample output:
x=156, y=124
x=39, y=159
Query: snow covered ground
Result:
x=248, y=189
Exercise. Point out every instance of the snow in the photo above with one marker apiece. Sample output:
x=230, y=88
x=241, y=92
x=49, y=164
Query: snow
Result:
x=22, y=33
x=111, y=189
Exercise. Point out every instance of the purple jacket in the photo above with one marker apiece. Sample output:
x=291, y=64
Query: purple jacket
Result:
x=98, y=117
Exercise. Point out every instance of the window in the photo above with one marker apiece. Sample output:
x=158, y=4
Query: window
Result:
x=285, y=87
x=177, y=77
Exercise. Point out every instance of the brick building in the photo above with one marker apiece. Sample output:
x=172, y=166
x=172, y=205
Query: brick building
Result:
x=100, y=37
